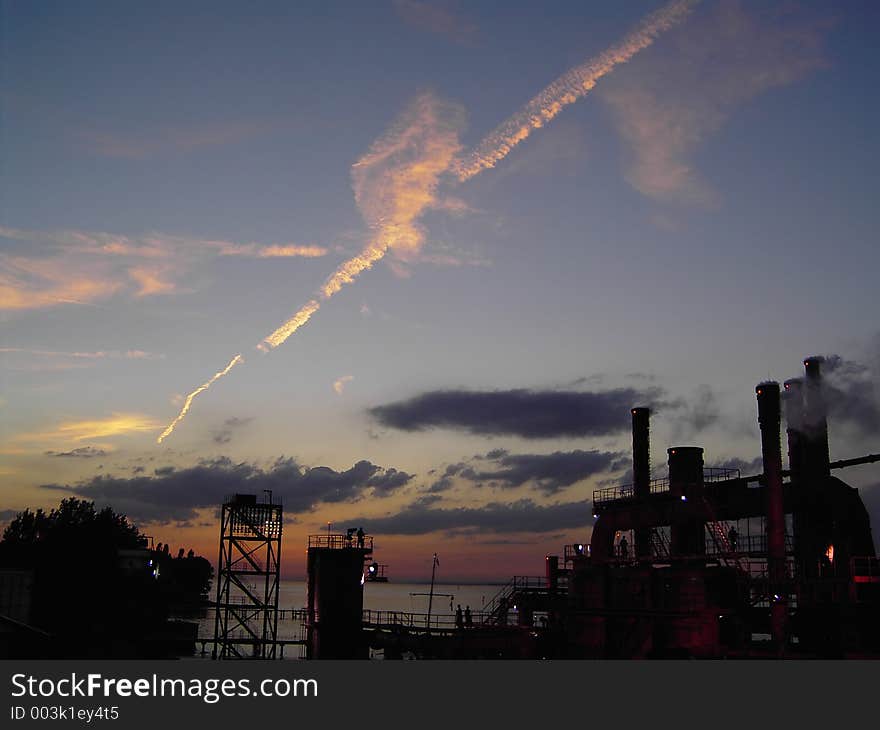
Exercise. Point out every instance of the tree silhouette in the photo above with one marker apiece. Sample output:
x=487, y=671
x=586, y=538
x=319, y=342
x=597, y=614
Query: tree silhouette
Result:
x=94, y=587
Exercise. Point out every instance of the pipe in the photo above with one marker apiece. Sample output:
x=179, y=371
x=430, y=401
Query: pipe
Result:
x=686, y=484
x=642, y=473
x=815, y=421
x=793, y=397
x=769, y=420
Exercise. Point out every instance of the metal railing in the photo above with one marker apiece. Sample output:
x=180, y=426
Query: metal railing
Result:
x=417, y=621
x=719, y=474
x=711, y=475
x=498, y=608
x=627, y=491
x=577, y=550
x=752, y=545
x=336, y=541
x=865, y=569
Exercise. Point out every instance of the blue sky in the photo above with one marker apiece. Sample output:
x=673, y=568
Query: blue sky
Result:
x=699, y=221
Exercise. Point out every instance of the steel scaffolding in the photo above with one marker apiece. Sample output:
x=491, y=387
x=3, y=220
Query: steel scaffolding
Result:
x=246, y=619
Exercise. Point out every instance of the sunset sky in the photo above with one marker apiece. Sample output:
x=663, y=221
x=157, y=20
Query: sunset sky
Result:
x=499, y=226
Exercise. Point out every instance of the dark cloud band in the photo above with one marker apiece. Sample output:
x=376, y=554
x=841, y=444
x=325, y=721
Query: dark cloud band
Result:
x=524, y=515
x=530, y=414
x=172, y=494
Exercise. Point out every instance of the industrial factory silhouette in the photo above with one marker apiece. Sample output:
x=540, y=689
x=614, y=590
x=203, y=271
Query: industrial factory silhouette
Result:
x=704, y=563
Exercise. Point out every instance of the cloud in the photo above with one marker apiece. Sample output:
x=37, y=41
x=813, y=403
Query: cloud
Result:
x=851, y=392
x=574, y=84
x=548, y=473
x=270, y=252
x=746, y=467
x=527, y=413
x=95, y=355
x=394, y=183
x=340, y=383
x=117, y=424
x=31, y=283
x=445, y=482
x=82, y=267
x=173, y=494
x=420, y=518
x=389, y=480
x=169, y=139
x=437, y=17
x=697, y=413
x=223, y=435
x=26, y=359
x=667, y=103
x=83, y=452
x=150, y=280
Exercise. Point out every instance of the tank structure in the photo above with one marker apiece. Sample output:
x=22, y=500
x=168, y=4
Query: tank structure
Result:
x=335, y=567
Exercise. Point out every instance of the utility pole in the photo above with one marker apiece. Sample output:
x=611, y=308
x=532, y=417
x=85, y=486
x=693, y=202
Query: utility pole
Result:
x=434, y=565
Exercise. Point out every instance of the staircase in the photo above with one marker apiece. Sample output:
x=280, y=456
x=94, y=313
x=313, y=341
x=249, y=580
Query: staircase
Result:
x=660, y=544
x=495, y=613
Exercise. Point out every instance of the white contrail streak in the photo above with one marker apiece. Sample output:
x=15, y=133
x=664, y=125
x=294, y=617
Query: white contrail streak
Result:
x=568, y=88
x=393, y=185
x=189, y=399
x=396, y=181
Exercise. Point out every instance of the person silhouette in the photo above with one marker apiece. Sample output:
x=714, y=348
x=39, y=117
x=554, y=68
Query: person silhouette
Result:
x=360, y=536
x=624, y=547
x=459, y=618
x=468, y=619
x=732, y=537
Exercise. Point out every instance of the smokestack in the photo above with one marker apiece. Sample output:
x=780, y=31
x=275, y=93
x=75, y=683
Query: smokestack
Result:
x=771, y=451
x=641, y=451
x=817, y=456
x=642, y=474
x=793, y=397
x=686, y=484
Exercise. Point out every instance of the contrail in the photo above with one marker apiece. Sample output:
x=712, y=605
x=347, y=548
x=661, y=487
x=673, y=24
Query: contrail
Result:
x=396, y=181
x=393, y=185
x=568, y=88
x=345, y=274
x=189, y=399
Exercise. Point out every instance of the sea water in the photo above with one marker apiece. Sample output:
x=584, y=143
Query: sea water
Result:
x=391, y=596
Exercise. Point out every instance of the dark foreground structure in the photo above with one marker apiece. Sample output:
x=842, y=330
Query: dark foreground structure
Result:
x=705, y=563
x=248, y=574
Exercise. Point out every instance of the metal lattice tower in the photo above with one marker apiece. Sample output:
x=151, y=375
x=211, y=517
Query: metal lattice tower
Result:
x=246, y=620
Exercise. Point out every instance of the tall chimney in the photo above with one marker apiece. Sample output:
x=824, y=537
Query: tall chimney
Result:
x=686, y=483
x=793, y=397
x=817, y=457
x=642, y=474
x=771, y=451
